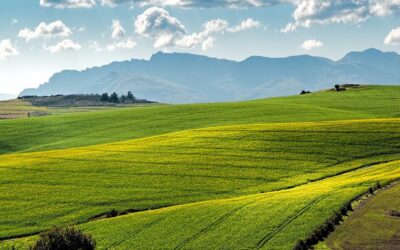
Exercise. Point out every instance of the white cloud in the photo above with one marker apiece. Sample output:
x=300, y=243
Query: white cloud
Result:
x=207, y=44
x=117, y=30
x=314, y=12
x=385, y=7
x=61, y=4
x=312, y=44
x=124, y=44
x=81, y=29
x=245, y=25
x=157, y=22
x=309, y=12
x=393, y=38
x=54, y=29
x=214, y=26
x=7, y=49
x=94, y=45
x=65, y=45
x=168, y=31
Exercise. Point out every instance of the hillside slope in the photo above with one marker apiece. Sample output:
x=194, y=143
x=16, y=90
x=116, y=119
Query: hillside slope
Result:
x=56, y=132
x=205, y=79
x=43, y=189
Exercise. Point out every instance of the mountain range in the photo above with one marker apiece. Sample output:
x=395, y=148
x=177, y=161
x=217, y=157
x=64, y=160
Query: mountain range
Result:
x=188, y=78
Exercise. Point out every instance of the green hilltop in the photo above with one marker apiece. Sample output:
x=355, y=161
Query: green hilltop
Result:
x=91, y=128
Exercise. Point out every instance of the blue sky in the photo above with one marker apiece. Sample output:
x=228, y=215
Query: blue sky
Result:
x=41, y=37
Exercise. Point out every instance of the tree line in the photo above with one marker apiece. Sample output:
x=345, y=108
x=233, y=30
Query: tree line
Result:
x=128, y=98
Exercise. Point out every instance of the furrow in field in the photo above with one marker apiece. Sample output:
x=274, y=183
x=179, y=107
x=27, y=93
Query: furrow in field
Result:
x=282, y=226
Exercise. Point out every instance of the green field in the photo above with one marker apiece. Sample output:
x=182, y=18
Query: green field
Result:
x=248, y=175
x=83, y=129
x=374, y=225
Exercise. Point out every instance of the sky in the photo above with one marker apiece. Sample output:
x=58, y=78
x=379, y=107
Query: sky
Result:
x=41, y=37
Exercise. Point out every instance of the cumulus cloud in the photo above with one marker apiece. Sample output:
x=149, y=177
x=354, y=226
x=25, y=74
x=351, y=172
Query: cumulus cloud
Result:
x=312, y=44
x=385, y=7
x=207, y=44
x=61, y=4
x=245, y=25
x=393, y=38
x=155, y=22
x=311, y=12
x=158, y=24
x=7, y=49
x=124, y=44
x=65, y=45
x=168, y=31
x=54, y=29
x=117, y=30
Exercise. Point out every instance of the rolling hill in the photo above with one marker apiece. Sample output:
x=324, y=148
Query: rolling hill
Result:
x=249, y=175
x=207, y=79
x=73, y=130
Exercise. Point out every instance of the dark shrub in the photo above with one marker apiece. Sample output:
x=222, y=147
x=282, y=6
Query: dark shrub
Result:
x=343, y=211
x=64, y=239
x=300, y=245
x=394, y=213
x=349, y=207
x=371, y=190
x=303, y=92
x=112, y=213
x=339, y=87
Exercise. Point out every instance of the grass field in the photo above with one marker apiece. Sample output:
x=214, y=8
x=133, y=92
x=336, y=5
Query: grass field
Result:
x=19, y=108
x=262, y=184
x=83, y=129
x=273, y=220
x=374, y=225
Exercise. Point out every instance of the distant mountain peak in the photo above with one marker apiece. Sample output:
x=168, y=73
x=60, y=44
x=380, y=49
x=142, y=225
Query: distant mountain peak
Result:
x=373, y=51
x=369, y=56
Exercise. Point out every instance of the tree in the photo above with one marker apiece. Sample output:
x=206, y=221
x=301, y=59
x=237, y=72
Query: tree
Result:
x=114, y=98
x=123, y=98
x=130, y=96
x=104, y=97
x=64, y=239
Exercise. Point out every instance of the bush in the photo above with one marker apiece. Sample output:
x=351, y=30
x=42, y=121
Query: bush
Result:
x=64, y=239
x=300, y=245
x=303, y=92
x=112, y=213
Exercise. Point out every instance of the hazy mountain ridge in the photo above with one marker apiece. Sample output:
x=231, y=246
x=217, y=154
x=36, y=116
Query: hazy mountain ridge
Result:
x=185, y=78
